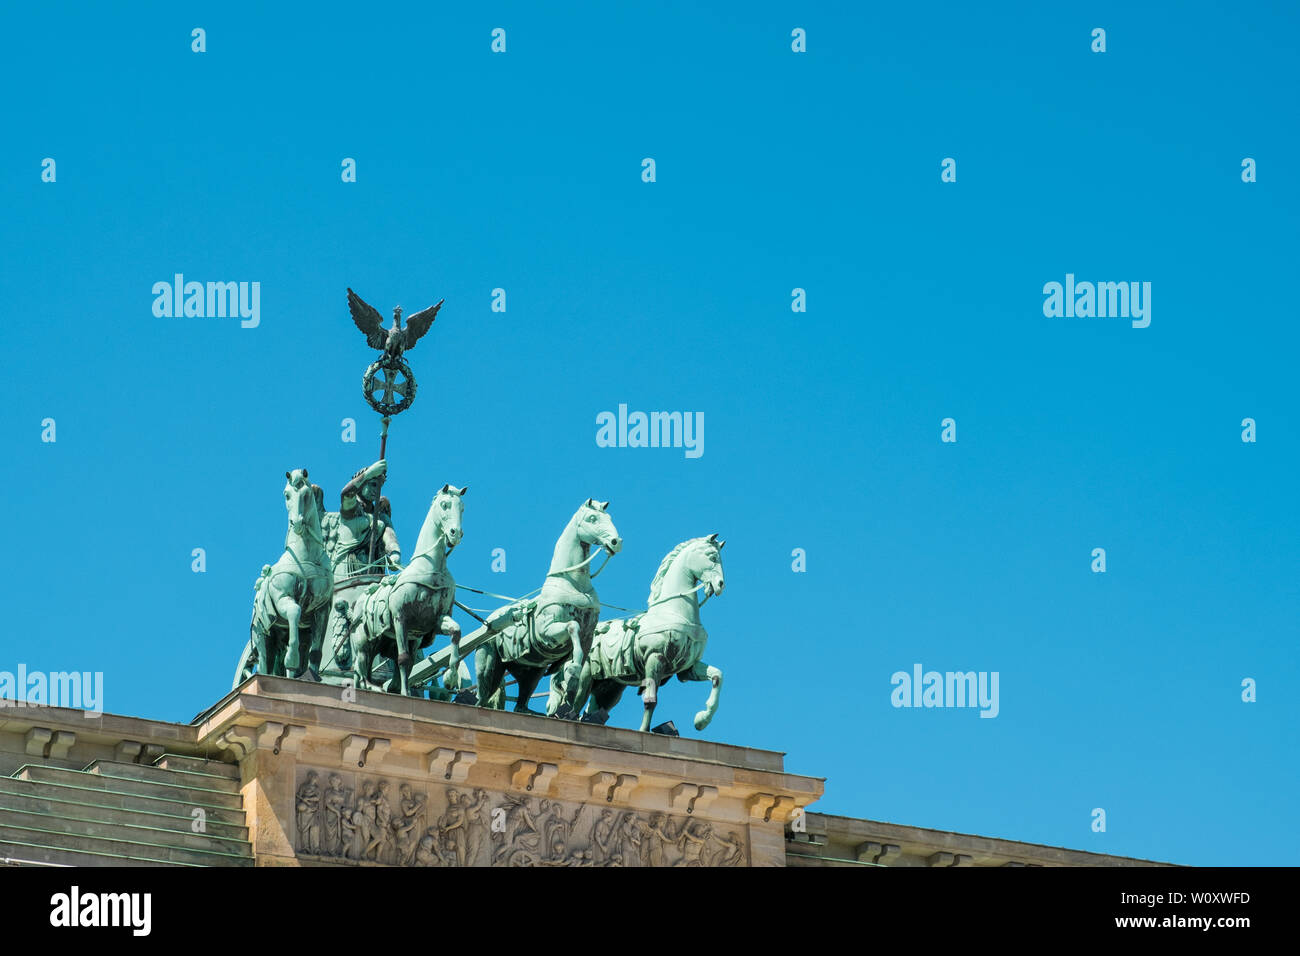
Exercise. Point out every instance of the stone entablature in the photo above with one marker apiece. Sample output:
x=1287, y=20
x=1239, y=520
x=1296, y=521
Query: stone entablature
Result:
x=326, y=778
x=660, y=792
x=825, y=840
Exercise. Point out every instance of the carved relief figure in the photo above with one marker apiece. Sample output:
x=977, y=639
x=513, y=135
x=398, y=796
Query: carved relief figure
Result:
x=694, y=837
x=407, y=826
x=661, y=837
x=520, y=830
x=602, y=836
x=335, y=801
x=731, y=853
x=308, y=806
x=427, y=854
x=406, y=829
x=632, y=833
x=451, y=828
x=476, y=826
x=362, y=828
x=381, y=836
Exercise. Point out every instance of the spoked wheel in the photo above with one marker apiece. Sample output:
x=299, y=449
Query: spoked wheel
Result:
x=247, y=665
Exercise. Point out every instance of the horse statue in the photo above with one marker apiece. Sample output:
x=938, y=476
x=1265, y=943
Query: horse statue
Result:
x=295, y=592
x=404, y=611
x=553, y=631
x=664, y=640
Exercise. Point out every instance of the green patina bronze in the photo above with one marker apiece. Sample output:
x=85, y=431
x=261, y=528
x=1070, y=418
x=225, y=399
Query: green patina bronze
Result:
x=403, y=612
x=339, y=606
x=551, y=633
x=360, y=535
x=666, y=640
x=294, y=593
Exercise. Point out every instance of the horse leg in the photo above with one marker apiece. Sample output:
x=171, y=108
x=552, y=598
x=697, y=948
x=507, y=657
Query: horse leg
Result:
x=605, y=695
x=487, y=667
x=574, y=690
x=452, y=630
x=317, y=643
x=558, y=633
x=702, y=671
x=655, y=669
x=555, y=697
x=566, y=677
x=526, y=681
x=363, y=658
x=262, y=650
x=403, y=661
x=291, y=612
x=583, y=690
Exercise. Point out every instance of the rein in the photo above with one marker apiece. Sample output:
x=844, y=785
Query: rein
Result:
x=685, y=593
x=582, y=564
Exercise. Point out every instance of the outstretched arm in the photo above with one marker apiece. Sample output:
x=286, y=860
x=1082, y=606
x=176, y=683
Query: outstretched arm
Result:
x=378, y=470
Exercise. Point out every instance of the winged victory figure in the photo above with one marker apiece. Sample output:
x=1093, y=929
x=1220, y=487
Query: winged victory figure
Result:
x=394, y=341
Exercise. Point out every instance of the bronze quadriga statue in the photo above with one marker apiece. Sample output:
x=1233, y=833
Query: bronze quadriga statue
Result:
x=339, y=606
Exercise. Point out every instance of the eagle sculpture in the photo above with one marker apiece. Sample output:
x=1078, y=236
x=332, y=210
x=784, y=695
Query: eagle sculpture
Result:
x=393, y=342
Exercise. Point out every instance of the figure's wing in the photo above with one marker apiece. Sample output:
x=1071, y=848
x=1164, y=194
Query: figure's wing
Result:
x=368, y=320
x=418, y=324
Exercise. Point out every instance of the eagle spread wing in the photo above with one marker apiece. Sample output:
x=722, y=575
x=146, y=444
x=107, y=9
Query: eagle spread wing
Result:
x=368, y=320
x=418, y=324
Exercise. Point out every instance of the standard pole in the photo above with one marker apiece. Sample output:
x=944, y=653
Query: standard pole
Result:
x=374, y=505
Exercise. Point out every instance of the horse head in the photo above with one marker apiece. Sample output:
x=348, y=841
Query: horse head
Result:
x=706, y=564
x=302, y=500
x=446, y=513
x=690, y=563
x=594, y=526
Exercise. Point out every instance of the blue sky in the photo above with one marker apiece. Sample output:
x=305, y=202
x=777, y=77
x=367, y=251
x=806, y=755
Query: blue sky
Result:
x=775, y=170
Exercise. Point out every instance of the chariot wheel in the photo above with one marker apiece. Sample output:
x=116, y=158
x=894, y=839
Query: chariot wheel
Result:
x=247, y=665
x=523, y=858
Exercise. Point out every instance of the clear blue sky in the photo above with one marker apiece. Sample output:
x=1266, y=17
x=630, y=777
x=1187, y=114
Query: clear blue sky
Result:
x=774, y=170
